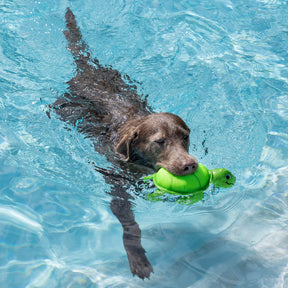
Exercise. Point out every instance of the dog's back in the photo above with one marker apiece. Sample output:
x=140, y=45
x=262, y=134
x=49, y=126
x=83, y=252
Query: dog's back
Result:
x=99, y=101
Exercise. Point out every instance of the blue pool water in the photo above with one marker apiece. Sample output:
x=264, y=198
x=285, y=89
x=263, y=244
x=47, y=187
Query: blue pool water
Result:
x=220, y=65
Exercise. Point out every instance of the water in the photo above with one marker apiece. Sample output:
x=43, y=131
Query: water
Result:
x=221, y=66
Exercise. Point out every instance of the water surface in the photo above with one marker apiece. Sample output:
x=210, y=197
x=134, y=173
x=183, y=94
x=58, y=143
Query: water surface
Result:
x=221, y=66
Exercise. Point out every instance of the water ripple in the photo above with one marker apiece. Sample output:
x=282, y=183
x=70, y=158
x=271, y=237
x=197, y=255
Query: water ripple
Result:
x=21, y=218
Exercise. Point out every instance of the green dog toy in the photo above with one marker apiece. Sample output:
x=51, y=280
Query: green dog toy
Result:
x=191, y=186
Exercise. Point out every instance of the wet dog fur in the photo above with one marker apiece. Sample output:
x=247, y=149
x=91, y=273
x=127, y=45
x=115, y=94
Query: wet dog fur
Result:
x=105, y=106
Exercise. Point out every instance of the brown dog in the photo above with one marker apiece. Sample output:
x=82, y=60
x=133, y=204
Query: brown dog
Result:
x=103, y=106
x=157, y=140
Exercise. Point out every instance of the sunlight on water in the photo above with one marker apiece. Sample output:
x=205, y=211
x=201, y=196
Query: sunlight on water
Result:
x=222, y=67
x=14, y=217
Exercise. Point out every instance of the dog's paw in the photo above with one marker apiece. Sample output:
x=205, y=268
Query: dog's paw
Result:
x=140, y=265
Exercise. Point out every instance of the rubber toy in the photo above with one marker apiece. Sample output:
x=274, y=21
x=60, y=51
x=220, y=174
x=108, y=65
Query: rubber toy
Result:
x=192, y=186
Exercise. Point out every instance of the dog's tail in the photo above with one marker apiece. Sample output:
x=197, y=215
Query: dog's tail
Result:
x=76, y=45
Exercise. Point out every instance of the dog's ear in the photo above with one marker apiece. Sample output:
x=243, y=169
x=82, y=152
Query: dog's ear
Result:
x=126, y=142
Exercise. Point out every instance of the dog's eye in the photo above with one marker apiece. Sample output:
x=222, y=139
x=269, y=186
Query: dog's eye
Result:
x=160, y=141
x=185, y=137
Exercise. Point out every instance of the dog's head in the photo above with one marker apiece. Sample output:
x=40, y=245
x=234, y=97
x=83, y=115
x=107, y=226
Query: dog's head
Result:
x=158, y=140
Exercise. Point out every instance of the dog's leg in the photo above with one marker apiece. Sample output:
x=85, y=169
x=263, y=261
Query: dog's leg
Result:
x=138, y=262
x=121, y=208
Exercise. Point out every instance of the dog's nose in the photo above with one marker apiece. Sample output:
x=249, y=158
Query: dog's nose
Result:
x=189, y=166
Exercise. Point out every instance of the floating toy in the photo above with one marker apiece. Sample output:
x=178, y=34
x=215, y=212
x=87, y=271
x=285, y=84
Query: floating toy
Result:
x=192, y=186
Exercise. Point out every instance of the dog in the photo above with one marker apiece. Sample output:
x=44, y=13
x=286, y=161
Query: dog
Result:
x=105, y=106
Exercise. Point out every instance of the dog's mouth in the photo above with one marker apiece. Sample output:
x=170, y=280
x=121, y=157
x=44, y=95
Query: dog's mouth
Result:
x=158, y=167
x=173, y=171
